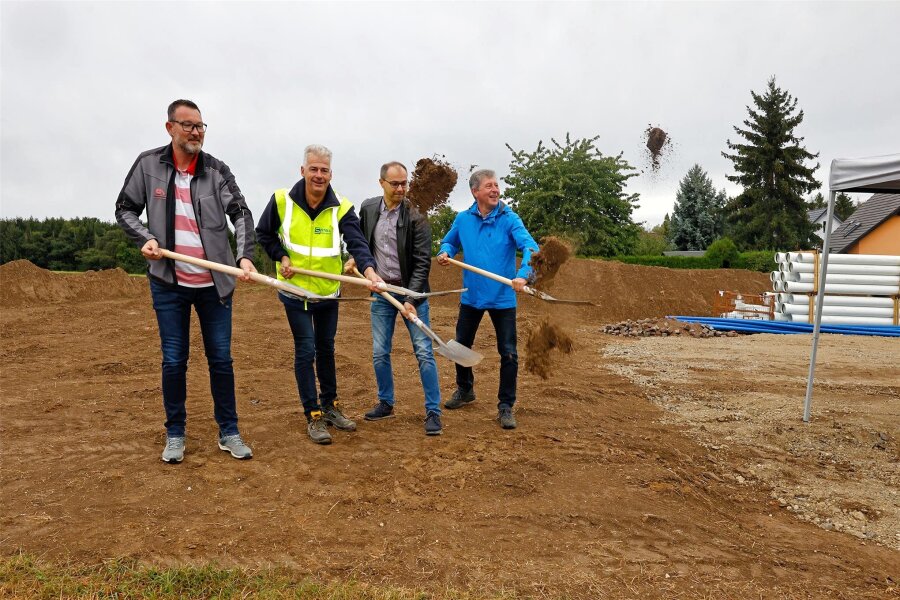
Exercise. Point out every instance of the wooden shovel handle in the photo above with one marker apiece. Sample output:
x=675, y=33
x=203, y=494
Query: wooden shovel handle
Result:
x=332, y=276
x=487, y=274
x=214, y=266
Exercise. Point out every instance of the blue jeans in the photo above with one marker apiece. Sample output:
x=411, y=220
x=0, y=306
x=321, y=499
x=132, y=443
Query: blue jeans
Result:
x=173, y=313
x=384, y=316
x=313, y=325
x=504, y=320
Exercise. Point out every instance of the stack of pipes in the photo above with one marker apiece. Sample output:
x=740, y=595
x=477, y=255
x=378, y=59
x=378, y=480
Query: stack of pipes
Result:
x=860, y=289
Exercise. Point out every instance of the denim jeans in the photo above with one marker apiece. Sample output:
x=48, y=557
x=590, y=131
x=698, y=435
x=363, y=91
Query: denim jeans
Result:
x=173, y=313
x=384, y=316
x=504, y=320
x=313, y=325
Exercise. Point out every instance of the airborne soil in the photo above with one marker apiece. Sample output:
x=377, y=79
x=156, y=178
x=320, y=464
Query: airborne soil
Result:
x=641, y=468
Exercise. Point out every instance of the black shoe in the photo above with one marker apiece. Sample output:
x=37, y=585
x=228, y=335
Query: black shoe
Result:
x=382, y=410
x=433, y=424
x=460, y=399
x=506, y=418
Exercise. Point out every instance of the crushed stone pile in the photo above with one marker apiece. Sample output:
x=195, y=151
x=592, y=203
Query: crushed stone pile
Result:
x=664, y=328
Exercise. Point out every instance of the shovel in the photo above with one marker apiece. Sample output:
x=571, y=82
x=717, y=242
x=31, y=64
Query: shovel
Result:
x=452, y=350
x=528, y=290
x=382, y=286
x=287, y=288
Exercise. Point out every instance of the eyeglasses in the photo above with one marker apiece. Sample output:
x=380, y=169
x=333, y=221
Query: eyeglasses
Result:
x=188, y=127
x=397, y=184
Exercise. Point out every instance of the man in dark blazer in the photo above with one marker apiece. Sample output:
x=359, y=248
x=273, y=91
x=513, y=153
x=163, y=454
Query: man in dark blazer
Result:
x=400, y=240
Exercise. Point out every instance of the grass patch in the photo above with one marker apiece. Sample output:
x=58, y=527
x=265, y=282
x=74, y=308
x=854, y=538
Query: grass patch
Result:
x=23, y=576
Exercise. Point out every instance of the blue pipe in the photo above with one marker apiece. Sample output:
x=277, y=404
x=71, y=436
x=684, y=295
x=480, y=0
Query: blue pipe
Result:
x=785, y=327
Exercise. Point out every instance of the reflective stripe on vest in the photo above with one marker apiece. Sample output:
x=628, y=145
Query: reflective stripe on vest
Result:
x=308, y=244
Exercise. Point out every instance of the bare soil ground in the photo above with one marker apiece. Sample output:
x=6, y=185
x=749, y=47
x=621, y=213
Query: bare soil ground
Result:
x=652, y=468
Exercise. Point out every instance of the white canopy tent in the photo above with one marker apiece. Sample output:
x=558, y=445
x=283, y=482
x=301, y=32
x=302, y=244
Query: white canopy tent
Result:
x=874, y=174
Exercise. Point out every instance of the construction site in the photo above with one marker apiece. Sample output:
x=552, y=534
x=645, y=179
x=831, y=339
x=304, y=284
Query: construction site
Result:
x=653, y=459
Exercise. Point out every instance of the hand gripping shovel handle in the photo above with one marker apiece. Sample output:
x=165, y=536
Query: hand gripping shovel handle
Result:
x=257, y=277
x=526, y=289
x=361, y=280
x=453, y=350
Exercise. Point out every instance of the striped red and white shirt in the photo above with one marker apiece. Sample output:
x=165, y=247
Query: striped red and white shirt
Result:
x=187, y=233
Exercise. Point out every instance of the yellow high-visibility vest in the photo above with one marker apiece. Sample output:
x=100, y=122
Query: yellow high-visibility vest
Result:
x=313, y=244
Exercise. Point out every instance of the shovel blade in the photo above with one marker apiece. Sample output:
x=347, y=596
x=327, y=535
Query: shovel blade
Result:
x=458, y=353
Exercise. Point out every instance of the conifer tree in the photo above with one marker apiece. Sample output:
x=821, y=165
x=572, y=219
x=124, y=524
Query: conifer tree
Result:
x=697, y=218
x=843, y=206
x=770, y=213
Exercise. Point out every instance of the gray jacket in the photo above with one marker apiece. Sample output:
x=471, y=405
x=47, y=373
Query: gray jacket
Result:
x=150, y=185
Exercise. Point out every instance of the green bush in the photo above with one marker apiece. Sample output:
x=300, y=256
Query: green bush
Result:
x=758, y=260
x=722, y=253
x=672, y=262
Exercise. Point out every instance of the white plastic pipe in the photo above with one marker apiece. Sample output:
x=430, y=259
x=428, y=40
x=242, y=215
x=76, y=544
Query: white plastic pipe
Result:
x=849, y=311
x=871, y=301
x=794, y=287
x=845, y=278
x=844, y=259
x=833, y=320
x=849, y=269
x=781, y=257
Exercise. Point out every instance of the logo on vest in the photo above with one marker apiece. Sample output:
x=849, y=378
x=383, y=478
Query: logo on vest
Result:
x=159, y=193
x=320, y=230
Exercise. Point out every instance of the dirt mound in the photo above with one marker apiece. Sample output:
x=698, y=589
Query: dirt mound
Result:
x=432, y=181
x=658, y=141
x=544, y=338
x=546, y=263
x=22, y=283
x=623, y=291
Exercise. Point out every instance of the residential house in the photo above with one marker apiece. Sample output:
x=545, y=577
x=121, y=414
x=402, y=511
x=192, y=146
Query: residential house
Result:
x=873, y=228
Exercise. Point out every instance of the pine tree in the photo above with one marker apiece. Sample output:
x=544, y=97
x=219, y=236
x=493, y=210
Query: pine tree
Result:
x=697, y=219
x=770, y=214
x=817, y=201
x=843, y=206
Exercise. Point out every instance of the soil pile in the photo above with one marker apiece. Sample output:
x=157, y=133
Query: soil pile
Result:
x=658, y=141
x=544, y=338
x=546, y=263
x=432, y=181
x=622, y=291
x=23, y=283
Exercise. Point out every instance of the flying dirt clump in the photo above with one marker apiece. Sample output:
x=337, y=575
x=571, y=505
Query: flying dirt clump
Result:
x=544, y=338
x=658, y=142
x=432, y=181
x=546, y=263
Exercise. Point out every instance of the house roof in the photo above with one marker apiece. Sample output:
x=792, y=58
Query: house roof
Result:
x=816, y=213
x=869, y=215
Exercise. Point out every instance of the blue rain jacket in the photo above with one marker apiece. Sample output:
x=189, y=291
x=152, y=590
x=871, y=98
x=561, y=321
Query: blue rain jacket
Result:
x=490, y=243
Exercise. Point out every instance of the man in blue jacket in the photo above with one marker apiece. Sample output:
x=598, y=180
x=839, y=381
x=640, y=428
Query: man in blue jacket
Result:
x=489, y=233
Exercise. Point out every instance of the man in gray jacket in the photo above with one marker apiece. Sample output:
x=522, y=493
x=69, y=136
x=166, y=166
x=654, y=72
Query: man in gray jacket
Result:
x=188, y=194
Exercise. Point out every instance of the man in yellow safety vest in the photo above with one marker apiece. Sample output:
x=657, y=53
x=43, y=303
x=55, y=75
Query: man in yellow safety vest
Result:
x=303, y=227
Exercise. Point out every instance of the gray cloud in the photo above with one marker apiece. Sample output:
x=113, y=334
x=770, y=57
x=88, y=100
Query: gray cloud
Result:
x=85, y=86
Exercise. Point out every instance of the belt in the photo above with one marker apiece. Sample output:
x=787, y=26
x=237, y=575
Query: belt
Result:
x=396, y=282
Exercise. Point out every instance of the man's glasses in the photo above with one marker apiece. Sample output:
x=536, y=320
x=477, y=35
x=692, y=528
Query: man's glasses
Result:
x=397, y=184
x=188, y=127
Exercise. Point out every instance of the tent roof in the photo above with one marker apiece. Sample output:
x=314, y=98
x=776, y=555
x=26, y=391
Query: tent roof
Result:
x=872, y=174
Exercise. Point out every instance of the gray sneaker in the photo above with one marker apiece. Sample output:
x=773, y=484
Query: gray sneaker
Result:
x=174, y=450
x=506, y=418
x=334, y=416
x=317, y=429
x=235, y=445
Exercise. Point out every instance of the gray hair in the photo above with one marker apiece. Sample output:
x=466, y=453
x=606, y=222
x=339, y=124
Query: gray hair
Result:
x=316, y=150
x=479, y=176
x=393, y=163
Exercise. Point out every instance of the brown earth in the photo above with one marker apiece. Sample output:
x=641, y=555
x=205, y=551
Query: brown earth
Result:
x=642, y=468
x=547, y=261
x=658, y=141
x=432, y=182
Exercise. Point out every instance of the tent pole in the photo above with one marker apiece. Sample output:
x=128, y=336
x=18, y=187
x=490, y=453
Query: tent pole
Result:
x=820, y=301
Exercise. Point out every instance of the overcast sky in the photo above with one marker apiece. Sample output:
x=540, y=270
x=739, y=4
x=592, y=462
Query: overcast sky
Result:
x=85, y=87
